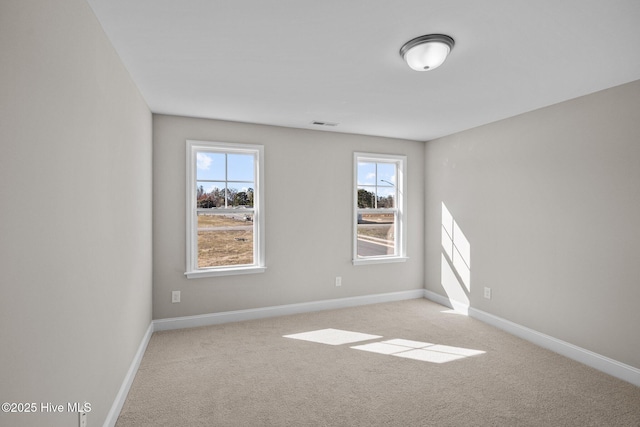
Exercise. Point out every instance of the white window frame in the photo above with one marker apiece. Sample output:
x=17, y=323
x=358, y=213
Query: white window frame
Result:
x=400, y=209
x=258, y=266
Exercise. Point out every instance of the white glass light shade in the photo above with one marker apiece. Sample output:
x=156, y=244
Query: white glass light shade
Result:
x=427, y=56
x=427, y=52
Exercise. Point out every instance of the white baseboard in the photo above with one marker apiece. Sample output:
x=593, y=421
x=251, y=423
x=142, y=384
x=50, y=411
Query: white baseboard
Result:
x=281, y=310
x=597, y=361
x=118, y=403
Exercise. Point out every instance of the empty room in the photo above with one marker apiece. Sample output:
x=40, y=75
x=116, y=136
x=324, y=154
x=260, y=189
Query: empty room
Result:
x=361, y=213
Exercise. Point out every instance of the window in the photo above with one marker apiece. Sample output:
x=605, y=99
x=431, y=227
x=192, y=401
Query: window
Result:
x=225, y=223
x=379, y=208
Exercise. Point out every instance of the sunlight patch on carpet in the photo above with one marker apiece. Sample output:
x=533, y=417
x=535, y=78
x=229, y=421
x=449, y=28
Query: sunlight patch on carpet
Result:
x=333, y=336
x=408, y=349
x=417, y=350
x=458, y=312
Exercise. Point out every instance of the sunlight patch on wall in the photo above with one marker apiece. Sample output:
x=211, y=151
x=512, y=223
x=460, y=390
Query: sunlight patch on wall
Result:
x=456, y=246
x=451, y=284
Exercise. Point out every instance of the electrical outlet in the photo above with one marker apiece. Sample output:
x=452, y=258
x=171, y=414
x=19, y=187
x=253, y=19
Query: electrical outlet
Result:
x=175, y=296
x=338, y=281
x=82, y=419
x=487, y=293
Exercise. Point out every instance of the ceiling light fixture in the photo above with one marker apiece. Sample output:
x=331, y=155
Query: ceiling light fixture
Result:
x=425, y=53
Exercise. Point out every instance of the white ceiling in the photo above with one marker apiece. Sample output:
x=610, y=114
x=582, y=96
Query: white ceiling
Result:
x=290, y=62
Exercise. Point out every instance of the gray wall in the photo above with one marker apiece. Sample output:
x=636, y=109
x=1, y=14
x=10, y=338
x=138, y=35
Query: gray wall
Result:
x=75, y=212
x=308, y=191
x=549, y=202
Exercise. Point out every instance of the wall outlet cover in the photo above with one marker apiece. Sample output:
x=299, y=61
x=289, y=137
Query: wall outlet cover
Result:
x=175, y=296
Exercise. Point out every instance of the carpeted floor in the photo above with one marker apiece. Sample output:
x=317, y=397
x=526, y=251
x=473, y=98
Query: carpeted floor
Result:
x=420, y=365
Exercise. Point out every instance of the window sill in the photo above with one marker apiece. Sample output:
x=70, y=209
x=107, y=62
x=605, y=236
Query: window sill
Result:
x=380, y=260
x=224, y=272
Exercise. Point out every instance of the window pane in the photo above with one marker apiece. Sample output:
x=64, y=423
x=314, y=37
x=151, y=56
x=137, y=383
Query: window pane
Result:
x=366, y=197
x=366, y=173
x=210, y=166
x=386, y=197
x=240, y=167
x=209, y=194
x=376, y=234
x=225, y=239
x=240, y=194
x=387, y=174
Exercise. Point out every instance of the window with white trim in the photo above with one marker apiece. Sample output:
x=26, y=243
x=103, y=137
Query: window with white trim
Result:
x=379, y=208
x=225, y=222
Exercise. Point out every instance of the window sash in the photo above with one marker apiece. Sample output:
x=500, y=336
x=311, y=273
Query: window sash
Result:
x=233, y=236
x=373, y=241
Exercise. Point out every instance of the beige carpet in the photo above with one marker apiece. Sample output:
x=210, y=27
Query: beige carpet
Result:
x=249, y=374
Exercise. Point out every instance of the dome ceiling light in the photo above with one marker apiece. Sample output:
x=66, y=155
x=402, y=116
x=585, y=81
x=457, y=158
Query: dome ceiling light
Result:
x=428, y=52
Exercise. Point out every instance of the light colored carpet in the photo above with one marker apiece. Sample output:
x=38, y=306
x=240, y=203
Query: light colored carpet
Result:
x=249, y=374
